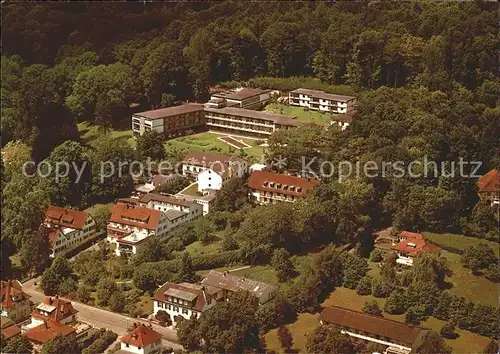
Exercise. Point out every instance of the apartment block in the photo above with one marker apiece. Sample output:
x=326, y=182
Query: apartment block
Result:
x=172, y=121
x=270, y=187
x=322, y=101
x=247, y=122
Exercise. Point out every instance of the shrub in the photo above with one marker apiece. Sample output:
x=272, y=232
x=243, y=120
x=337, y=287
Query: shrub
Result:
x=372, y=308
x=364, y=286
x=102, y=343
x=448, y=331
x=382, y=289
x=415, y=315
x=376, y=256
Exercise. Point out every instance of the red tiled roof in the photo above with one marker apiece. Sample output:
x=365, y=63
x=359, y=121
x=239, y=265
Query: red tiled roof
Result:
x=9, y=290
x=258, y=178
x=10, y=331
x=74, y=219
x=489, y=182
x=375, y=325
x=135, y=216
x=411, y=235
x=47, y=331
x=53, y=234
x=141, y=336
x=63, y=309
x=415, y=246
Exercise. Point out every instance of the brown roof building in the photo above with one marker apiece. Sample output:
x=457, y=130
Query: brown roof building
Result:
x=64, y=217
x=171, y=121
x=48, y=330
x=55, y=309
x=270, y=187
x=15, y=302
x=141, y=339
x=231, y=284
x=488, y=187
x=9, y=328
x=249, y=98
x=371, y=328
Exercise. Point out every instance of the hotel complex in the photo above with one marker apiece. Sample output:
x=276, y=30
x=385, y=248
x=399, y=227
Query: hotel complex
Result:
x=236, y=112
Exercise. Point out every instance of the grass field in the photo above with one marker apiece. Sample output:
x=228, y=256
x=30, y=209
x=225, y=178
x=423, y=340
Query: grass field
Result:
x=198, y=248
x=262, y=273
x=191, y=190
x=478, y=289
x=90, y=133
x=467, y=342
x=299, y=112
x=208, y=142
x=460, y=242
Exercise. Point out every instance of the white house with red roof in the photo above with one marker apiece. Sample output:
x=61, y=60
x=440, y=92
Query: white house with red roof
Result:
x=141, y=339
x=185, y=300
x=15, y=302
x=409, y=245
x=50, y=318
x=270, y=187
x=488, y=187
x=212, y=170
x=68, y=228
x=130, y=225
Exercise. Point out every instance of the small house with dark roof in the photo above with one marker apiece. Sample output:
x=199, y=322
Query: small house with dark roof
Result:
x=68, y=228
x=15, y=302
x=398, y=337
x=270, y=187
x=185, y=300
x=488, y=187
x=141, y=339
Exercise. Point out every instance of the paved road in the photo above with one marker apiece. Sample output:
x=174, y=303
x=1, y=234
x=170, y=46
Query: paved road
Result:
x=105, y=319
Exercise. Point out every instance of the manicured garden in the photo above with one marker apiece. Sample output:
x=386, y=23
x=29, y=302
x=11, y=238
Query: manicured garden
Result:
x=301, y=114
x=209, y=142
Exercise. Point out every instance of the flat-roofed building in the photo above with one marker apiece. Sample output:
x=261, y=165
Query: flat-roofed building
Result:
x=243, y=97
x=343, y=120
x=270, y=187
x=170, y=204
x=68, y=228
x=398, y=337
x=231, y=284
x=321, y=101
x=248, y=122
x=172, y=121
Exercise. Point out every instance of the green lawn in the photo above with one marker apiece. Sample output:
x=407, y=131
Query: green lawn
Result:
x=198, y=248
x=460, y=242
x=299, y=112
x=478, y=289
x=265, y=274
x=191, y=190
x=89, y=134
x=468, y=342
x=208, y=142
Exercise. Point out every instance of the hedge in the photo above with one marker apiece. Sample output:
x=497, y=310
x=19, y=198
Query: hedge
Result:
x=104, y=340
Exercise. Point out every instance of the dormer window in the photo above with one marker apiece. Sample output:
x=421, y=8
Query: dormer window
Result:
x=265, y=183
x=271, y=184
x=292, y=188
x=285, y=187
x=278, y=185
x=299, y=189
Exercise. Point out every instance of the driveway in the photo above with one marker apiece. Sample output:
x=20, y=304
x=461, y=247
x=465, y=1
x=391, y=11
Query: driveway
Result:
x=105, y=319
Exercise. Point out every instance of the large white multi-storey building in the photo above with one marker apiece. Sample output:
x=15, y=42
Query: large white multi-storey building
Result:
x=322, y=101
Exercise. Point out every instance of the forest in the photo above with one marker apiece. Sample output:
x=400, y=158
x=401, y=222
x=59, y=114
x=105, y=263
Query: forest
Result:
x=425, y=74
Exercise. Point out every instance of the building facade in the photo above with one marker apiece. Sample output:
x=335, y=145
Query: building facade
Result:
x=15, y=302
x=185, y=300
x=247, y=122
x=269, y=187
x=171, y=122
x=488, y=187
x=68, y=228
x=321, y=101
x=141, y=339
x=398, y=337
x=225, y=167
